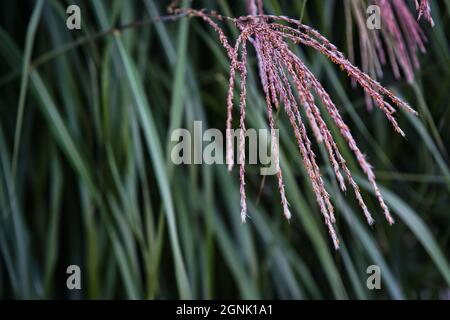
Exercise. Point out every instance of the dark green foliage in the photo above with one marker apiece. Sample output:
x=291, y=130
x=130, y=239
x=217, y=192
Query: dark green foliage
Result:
x=92, y=183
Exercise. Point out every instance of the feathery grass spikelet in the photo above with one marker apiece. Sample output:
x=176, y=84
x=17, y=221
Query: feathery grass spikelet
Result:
x=278, y=68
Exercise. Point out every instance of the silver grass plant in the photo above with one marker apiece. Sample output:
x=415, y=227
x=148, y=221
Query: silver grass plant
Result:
x=398, y=41
x=289, y=84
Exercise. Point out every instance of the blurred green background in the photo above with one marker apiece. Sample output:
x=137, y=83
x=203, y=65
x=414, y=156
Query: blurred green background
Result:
x=92, y=184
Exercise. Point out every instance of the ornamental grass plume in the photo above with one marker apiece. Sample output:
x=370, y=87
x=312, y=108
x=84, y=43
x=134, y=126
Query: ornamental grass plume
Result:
x=399, y=39
x=288, y=84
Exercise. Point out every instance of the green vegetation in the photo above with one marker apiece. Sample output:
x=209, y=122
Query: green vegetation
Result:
x=86, y=176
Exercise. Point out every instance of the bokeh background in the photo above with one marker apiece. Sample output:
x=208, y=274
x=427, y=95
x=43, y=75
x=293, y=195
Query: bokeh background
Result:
x=93, y=185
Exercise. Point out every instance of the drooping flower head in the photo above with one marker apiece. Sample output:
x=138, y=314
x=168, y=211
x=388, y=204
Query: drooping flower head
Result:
x=399, y=39
x=289, y=84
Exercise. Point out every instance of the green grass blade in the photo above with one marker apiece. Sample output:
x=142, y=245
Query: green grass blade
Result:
x=155, y=150
x=29, y=41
